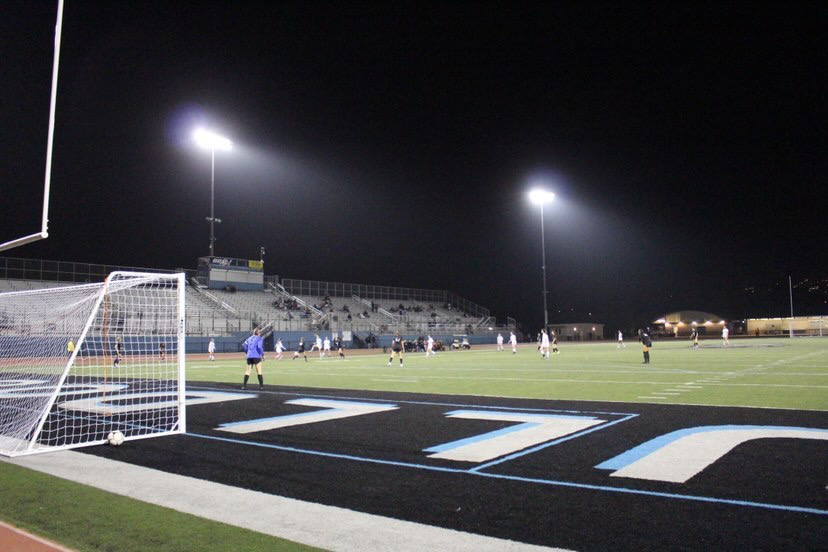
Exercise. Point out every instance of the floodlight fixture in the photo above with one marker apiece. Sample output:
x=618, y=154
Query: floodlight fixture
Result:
x=541, y=197
x=210, y=140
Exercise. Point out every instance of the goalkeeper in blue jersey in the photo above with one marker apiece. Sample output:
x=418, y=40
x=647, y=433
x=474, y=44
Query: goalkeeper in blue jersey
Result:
x=254, y=347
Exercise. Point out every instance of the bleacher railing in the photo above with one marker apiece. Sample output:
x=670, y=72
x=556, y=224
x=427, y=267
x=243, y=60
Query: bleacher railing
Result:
x=437, y=297
x=12, y=268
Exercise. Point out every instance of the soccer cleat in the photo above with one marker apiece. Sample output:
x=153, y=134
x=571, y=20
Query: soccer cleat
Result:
x=244, y=387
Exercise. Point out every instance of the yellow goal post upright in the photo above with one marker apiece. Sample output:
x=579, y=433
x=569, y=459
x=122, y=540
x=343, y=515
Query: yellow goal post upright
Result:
x=125, y=373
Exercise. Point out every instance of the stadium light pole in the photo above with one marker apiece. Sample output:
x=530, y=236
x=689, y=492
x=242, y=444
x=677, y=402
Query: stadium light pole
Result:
x=542, y=197
x=211, y=141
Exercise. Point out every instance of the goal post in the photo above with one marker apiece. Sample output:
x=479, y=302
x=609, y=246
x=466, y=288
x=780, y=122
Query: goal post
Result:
x=78, y=362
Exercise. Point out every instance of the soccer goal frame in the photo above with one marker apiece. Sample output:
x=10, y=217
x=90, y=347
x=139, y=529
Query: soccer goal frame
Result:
x=125, y=369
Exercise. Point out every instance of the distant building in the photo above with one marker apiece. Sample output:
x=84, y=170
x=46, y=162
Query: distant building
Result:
x=681, y=323
x=799, y=325
x=578, y=331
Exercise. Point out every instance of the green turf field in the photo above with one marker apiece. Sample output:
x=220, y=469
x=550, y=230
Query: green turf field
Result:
x=85, y=518
x=781, y=373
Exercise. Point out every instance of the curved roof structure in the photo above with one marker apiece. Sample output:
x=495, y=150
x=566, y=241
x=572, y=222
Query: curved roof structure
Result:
x=690, y=316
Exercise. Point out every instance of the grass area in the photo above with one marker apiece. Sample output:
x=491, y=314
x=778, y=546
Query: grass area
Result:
x=86, y=518
x=783, y=373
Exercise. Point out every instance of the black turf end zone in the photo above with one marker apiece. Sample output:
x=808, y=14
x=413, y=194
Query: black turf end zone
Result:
x=387, y=473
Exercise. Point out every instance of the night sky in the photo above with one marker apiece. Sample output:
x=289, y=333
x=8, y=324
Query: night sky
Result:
x=394, y=144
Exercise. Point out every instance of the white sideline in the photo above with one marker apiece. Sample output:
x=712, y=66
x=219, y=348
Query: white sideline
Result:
x=326, y=527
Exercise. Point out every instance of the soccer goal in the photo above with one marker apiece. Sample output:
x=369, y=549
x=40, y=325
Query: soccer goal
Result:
x=81, y=361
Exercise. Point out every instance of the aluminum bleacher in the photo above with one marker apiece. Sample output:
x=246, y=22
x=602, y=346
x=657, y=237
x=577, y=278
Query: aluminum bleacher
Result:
x=284, y=305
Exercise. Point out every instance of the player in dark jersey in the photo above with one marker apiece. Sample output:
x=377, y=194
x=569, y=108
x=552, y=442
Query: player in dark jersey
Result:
x=119, y=351
x=300, y=350
x=646, y=343
x=338, y=346
x=162, y=350
x=396, y=349
x=555, y=343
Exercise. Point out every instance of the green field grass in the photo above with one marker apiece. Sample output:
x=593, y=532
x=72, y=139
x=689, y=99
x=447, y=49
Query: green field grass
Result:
x=85, y=518
x=783, y=373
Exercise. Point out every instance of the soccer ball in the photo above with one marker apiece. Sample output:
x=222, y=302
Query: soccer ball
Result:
x=115, y=438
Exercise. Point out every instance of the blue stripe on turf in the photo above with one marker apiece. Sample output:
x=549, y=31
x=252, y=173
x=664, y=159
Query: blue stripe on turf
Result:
x=603, y=488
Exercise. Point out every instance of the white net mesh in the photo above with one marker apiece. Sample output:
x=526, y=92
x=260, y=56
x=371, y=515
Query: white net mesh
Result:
x=125, y=373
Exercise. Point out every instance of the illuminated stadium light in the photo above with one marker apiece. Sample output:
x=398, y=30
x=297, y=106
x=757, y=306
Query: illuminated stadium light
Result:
x=541, y=197
x=212, y=141
x=694, y=322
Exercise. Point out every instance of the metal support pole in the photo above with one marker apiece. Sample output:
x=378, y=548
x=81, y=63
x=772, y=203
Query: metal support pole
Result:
x=543, y=261
x=212, y=199
x=790, y=293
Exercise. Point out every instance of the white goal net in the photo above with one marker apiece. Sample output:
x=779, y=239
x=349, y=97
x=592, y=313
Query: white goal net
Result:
x=81, y=361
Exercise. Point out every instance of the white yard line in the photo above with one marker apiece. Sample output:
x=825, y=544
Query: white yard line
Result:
x=296, y=520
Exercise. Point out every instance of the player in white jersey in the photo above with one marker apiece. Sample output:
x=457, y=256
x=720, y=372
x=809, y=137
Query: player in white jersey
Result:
x=513, y=342
x=544, y=344
x=279, y=349
x=326, y=348
x=430, y=346
x=621, y=340
x=725, y=334
x=499, y=342
x=317, y=345
x=211, y=348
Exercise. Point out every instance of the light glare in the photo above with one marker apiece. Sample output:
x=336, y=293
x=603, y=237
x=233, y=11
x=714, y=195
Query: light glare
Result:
x=212, y=141
x=540, y=197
